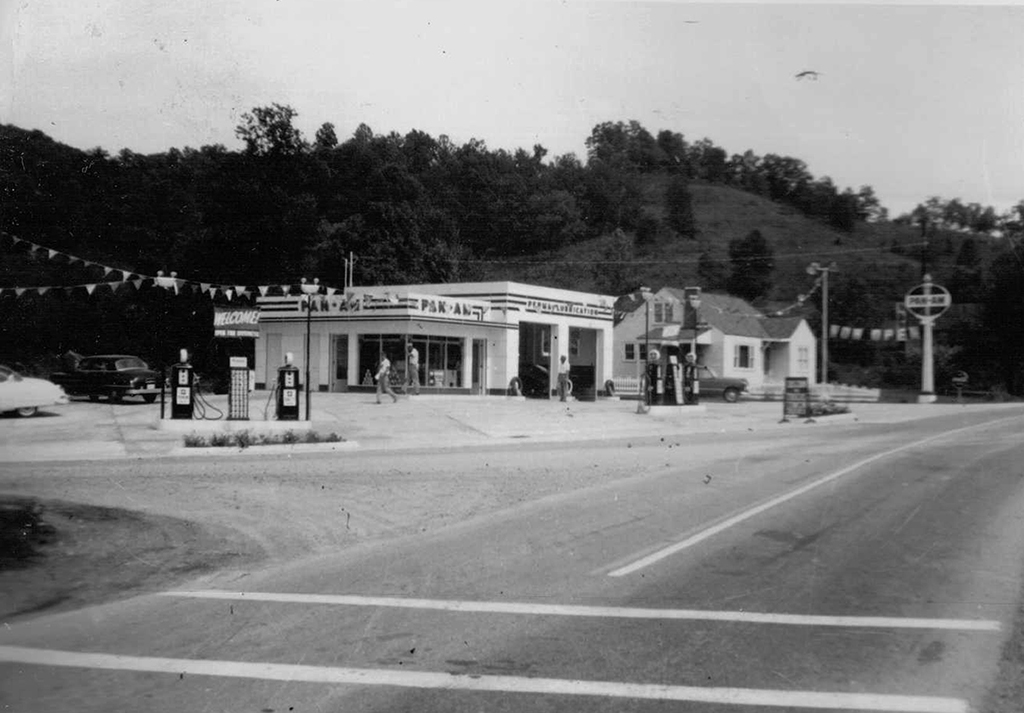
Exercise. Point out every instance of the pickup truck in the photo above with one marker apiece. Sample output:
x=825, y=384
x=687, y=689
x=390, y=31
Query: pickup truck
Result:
x=113, y=376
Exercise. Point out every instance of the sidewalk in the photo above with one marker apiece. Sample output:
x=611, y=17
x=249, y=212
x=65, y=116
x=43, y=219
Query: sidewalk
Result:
x=90, y=431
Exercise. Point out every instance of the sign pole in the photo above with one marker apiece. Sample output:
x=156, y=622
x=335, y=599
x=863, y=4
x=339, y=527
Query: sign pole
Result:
x=927, y=302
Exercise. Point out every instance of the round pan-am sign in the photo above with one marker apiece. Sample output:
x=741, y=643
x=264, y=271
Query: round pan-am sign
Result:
x=927, y=301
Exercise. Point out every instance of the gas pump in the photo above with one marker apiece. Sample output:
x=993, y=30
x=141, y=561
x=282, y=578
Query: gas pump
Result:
x=182, y=387
x=288, y=390
x=691, y=380
x=655, y=377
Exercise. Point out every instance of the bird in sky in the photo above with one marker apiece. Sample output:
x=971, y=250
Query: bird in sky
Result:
x=808, y=74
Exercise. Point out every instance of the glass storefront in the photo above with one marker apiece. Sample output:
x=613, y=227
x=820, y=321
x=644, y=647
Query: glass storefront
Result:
x=440, y=357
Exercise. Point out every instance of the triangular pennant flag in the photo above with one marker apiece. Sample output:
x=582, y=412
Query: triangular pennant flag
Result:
x=125, y=275
x=113, y=286
x=52, y=253
x=19, y=291
x=331, y=291
x=229, y=293
x=16, y=240
x=263, y=290
x=107, y=270
x=138, y=283
x=213, y=291
x=72, y=259
x=32, y=247
x=285, y=289
x=1, y=291
x=90, y=288
x=204, y=286
x=240, y=289
x=42, y=290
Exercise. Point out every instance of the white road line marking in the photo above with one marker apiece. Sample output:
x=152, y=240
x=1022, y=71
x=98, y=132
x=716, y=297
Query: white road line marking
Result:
x=467, y=682
x=592, y=611
x=747, y=514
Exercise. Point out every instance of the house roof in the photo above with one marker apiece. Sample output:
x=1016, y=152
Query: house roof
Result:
x=670, y=333
x=781, y=327
x=726, y=313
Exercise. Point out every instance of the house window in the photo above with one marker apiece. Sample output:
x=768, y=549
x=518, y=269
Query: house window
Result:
x=803, y=360
x=662, y=312
x=630, y=353
x=743, y=357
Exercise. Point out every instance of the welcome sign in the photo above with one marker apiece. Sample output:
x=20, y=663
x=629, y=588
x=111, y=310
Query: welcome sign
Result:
x=236, y=322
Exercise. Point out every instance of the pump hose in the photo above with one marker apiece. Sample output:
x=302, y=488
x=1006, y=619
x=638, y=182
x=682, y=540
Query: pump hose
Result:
x=200, y=405
x=273, y=393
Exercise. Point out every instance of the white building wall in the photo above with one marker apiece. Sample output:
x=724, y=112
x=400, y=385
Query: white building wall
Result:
x=754, y=372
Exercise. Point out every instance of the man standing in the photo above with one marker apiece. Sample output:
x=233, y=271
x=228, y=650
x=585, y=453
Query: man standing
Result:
x=384, y=379
x=412, y=369
x=563, y=378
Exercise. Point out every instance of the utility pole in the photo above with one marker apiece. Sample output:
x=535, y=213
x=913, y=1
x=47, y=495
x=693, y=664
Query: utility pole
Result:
x=308, y=290
x=817, y=269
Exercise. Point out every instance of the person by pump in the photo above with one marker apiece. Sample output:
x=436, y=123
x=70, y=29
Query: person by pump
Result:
x=691, y=380
x=384, y=379
x=563, y=378
x=412, y=369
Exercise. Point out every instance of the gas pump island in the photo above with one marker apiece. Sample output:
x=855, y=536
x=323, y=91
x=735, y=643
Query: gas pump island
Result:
x=671, y=382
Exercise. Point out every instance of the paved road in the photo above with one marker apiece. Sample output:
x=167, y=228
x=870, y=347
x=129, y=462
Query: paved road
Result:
x=871, y=567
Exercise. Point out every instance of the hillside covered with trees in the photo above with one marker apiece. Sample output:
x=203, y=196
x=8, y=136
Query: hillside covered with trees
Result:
x=642, y=210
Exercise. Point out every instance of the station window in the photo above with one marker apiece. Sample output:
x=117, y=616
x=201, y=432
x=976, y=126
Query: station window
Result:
x=630, y=351
x=440, y=357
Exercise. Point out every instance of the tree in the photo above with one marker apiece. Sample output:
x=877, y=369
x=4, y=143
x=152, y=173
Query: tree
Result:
x=325, y=137
x=753, y=261
x=268, y=131
x=679, y=205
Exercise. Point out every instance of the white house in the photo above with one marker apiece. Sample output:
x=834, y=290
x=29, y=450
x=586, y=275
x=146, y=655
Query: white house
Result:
x=732, y=337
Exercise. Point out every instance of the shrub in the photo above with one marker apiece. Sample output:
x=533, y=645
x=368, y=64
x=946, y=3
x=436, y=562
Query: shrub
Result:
x=219, y=440
x=194, y=440
x=243, y=439
x=289, y=437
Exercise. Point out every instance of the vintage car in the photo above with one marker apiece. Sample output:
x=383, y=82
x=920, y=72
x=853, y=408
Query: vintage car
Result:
x=113, y=376
x=24, y=395
x=728, y=388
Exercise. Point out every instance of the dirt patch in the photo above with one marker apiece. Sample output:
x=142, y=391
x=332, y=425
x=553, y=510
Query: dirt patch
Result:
x=56, y=556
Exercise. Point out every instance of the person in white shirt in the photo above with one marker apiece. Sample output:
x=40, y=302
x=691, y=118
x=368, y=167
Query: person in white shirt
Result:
x=412, y=369
x=563, y=378
x=384, y=379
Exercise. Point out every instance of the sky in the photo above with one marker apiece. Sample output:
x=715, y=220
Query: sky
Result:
x=914, y=100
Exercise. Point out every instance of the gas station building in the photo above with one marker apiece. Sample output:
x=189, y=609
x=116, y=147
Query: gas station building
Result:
x=472, y=338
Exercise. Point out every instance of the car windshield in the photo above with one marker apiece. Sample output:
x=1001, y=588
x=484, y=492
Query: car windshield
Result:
x=7, y=373
x=131, y=363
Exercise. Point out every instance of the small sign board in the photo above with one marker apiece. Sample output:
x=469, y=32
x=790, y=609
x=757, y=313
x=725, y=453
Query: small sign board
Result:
x=796, y=400
x=960, y=379
x=238, y=362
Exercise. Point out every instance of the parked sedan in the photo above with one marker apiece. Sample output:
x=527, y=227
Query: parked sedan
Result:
x=113, y=376
x=728, y=388
x=24, y=395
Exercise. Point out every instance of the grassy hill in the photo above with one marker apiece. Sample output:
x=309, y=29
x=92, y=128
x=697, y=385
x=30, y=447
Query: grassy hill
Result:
x=885, y=257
